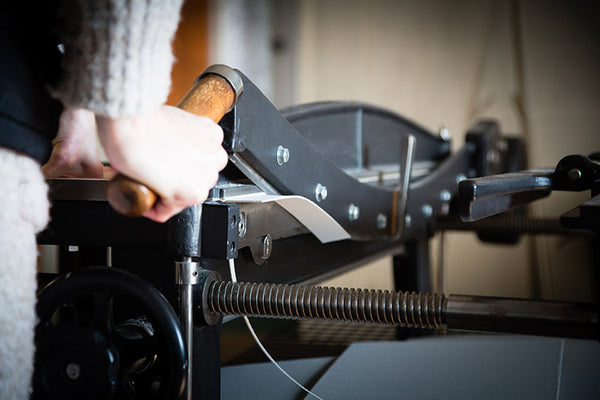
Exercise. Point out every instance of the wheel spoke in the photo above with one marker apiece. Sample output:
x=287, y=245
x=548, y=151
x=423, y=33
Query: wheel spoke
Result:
x=102, y=312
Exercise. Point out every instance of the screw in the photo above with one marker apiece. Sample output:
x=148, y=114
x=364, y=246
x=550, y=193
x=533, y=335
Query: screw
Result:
x=445, y=133
x=574, y=174
x=407, y=220
x=320, y=192
x=445, y=195
x=381, y=221
x=283, y=155
x=73, y=371
x=427, y=210
x=242, y=225
x=353, y=212
x=266, y=248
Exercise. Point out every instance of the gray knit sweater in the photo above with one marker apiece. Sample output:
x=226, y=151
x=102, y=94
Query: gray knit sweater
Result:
x=118, y=55
x=117, y=63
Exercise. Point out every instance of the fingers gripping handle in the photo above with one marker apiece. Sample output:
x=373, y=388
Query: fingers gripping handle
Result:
x=213, y=94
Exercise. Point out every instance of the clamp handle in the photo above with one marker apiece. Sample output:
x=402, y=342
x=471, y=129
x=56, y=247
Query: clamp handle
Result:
x=213, y=94
x=489, y=195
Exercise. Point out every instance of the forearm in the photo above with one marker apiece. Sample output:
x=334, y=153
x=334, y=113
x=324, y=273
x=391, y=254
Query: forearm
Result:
x=118, y=55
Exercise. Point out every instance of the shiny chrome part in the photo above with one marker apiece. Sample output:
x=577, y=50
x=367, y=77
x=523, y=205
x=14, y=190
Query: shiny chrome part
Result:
x=320, y=192
x=353, y=212
x=283, y=155
x=406, y=172
x=243, y=224
x=381, y=221
x=267, y=246
x=427, y=210
x=445, y=195
x=445, y=133
x=186, y=275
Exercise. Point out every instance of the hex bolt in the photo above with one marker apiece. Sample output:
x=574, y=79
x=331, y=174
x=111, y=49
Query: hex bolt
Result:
x=427, y=210
x=381, y=221
x=320, y=192
x=73, y=371
x=266, y=247
x=574, y=174
x=283, y=155
x=445, y=195
x=353, y=212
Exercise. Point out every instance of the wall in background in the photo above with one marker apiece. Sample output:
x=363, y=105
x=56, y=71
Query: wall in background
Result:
x=451, y=63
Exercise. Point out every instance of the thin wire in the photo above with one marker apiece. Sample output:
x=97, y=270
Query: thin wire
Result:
x=260, y=345
x=560, y=368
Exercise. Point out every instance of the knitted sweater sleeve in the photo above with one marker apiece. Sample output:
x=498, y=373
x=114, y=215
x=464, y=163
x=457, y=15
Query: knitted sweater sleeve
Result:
x=118, y=57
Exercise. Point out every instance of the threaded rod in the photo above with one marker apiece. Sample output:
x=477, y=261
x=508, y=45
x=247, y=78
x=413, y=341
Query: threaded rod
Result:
x=412, y=310
x=420, y=310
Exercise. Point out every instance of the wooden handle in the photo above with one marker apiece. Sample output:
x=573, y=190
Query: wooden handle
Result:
x=211, y=96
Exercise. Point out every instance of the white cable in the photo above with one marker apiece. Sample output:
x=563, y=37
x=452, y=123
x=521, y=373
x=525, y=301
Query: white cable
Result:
x=260, y=345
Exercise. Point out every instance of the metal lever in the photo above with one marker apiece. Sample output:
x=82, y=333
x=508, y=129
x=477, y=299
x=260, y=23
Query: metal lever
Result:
x=486, y=196
x=483, y=197
x=213, y=94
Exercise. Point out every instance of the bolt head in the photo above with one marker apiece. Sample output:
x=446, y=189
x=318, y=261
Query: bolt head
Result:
x=427, y=210
x=445, y=133
x=283, y=155
x=574, y=174
x=445, y=195
x=267, y=247
x=381, y=221
x=320, y=192
x=407, y=220
x=353, y=212
x=73, y=371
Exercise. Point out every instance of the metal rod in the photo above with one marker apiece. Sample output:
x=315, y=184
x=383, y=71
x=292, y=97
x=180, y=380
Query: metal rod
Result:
x=405, y=172
x=420, y=310
x=187, y=276
x=533, y=317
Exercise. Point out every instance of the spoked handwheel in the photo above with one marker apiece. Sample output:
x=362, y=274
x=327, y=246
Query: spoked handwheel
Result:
x=104, y=333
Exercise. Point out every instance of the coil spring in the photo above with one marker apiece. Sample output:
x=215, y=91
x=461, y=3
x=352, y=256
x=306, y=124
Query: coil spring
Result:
x=421, y=310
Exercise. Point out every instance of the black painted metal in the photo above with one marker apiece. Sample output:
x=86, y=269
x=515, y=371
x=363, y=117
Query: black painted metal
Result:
x=358, y=135
x=220, y=230
x=256, y=129
x=101, y=304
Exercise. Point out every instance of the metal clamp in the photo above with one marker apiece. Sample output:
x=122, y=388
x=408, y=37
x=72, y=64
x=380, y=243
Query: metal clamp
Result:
x=186, y=273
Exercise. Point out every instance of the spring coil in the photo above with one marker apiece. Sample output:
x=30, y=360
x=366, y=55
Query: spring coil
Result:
x=420, y=310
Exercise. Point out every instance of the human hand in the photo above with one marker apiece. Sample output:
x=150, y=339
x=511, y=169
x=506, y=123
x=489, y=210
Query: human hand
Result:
x=175, y=153
x=74, y=151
